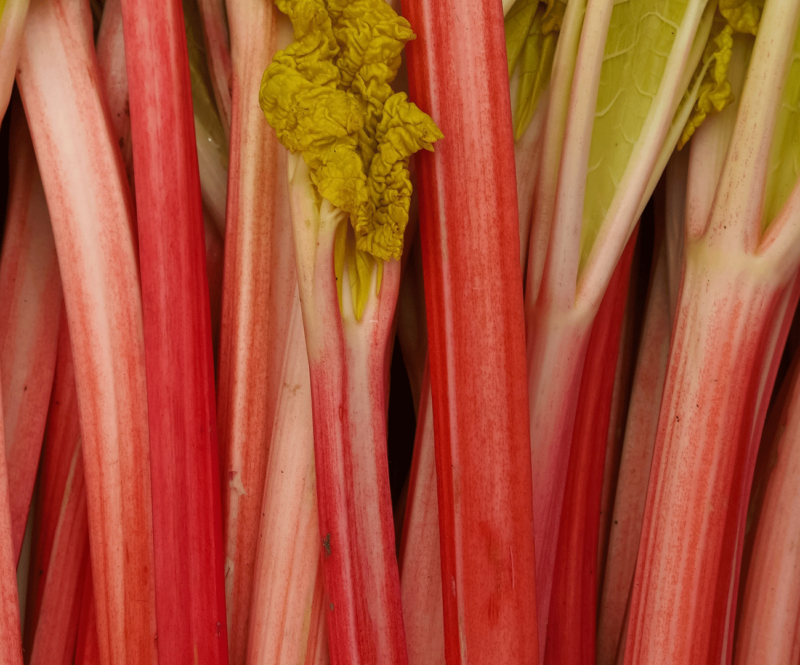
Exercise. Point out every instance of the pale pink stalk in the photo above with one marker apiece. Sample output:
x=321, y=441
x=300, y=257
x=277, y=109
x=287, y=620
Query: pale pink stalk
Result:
x=12, y=23
x=420, y=561
x=736, y=287
x=258, y=286
x=76, y=150
x=31, y=302
x=283, y=621
x=114, y=78
x=218, y=50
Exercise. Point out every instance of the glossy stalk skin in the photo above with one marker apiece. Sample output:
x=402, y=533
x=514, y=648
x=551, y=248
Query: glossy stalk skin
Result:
x=287, y=601
x=61, y=542
x=31, y=302
x=347, y=363
x=12, y=24
x=258, y=286
x=76, y=149
x=420, y=560
x=469, y=214
x=184, y=458
x=634, y=469
x=571, y=630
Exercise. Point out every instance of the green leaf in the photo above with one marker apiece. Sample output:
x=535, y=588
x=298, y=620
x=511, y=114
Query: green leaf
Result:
x=640, y=39
x=784, y=161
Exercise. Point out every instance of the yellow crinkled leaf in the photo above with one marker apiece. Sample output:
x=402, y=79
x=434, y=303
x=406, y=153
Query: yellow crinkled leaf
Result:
x=328, y=97
x=715, y=92
x=403, y=130
x=743, y=15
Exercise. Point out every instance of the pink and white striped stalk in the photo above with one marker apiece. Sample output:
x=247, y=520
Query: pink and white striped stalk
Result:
x=61, y=544
x=31, y=302
x=767, y=627
x=12, y=24
x=184, y=459
x=566, y=281
x=258, y=286
x=10, y=636
x=76, y=149
x=645, y=402
x=347, y=364
x=420, y=560
x=571, y=631
x=730, y=326
x=287, y=585
x=469, y=215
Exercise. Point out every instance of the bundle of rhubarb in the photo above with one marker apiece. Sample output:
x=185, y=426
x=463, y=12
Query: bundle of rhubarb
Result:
x=401, y=332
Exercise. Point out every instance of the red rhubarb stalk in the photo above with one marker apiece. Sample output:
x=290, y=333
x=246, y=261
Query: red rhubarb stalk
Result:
x=87, y=650
x=468, y=209
x=76, y=150
x=31, y=302
x=61, y=543
x=737, y=283
x=284, y=620
x=571, y=631
x=258, y=285
x=184, y=459
x=10, y=636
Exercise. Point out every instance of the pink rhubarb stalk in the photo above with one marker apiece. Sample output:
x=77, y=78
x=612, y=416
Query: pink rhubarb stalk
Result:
x=645, y=402
x=420, y=560
x=87, y=650
x=258, y=285
x=287, y=609
x=184, y=462
x=61, y=543
x=729, y=329
x=31, y=302
x=571, y=631
x=76, y=150
x=468, y=211
x=767, y=627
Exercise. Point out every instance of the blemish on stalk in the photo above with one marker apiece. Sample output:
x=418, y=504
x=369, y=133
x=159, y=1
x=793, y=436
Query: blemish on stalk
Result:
x=326, y=544
x=235, y=483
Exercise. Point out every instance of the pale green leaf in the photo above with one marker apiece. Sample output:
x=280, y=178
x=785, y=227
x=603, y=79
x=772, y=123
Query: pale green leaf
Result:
x=784, y=163
x=640, y=39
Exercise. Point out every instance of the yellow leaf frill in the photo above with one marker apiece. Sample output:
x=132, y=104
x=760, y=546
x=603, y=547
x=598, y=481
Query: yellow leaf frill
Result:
x=328, y=97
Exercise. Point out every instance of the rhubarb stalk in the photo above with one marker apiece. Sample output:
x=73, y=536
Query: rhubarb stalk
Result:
x=468, y=209
x=258, y=284
x=571, y=631
x=184, y=459
x=12, y=23
x=61, y=545
x=741, y=259
x=76, y=150
x=287, y=601
x=31, y=302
